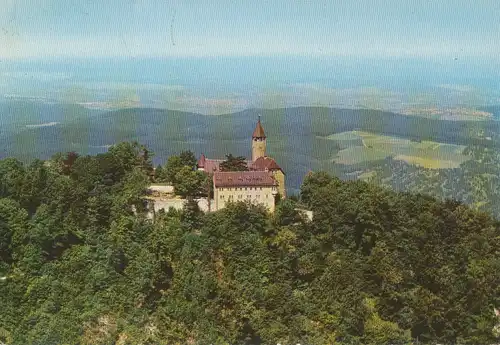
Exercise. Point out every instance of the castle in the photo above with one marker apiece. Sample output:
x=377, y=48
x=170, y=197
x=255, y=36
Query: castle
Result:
x=263, y=181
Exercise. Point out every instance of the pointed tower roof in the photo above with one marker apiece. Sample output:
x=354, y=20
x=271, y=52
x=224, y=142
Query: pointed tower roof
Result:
x=259, y=131
x=201, y=161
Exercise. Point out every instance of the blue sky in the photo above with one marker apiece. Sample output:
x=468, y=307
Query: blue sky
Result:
x=150, y=28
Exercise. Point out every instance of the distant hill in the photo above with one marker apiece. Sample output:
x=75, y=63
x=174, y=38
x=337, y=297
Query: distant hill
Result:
x=22, y=112
x=295, y=135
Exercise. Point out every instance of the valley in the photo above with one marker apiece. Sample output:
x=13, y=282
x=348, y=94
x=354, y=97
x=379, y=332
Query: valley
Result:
x=349, y=143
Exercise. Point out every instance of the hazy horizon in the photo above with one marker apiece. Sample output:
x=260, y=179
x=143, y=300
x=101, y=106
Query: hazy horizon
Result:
x=221, y=56
x=223, y=85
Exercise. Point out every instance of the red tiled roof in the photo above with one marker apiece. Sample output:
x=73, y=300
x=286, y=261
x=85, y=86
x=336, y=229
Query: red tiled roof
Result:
x=243, y=178
x=201, y=161
x=259, y=131
x=212, y=165
x=263, y=163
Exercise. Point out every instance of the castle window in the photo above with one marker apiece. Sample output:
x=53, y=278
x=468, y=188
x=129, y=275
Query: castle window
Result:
x=260, y=188
x=240, y=196
x=249, y=196
x=257, y=196
x=245, y=188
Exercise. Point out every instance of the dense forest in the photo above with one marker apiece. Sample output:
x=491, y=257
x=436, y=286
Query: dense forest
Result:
x=81, y=263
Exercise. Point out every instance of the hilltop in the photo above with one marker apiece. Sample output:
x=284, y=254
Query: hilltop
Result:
x=82, y=263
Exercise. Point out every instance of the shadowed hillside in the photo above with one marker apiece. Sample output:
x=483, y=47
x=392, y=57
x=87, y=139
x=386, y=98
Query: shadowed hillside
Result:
x=295, y=135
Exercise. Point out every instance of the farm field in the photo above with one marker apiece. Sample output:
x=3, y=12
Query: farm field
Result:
x=359, y=146
x=299, y=138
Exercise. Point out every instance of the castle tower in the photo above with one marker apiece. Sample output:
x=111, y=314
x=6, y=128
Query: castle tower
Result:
x=258, y=142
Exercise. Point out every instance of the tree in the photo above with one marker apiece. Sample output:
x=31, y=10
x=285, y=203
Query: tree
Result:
x=35, y=184
x=188, y=159
x=134, y=189
x=285, y=213
x=233, y=163
x=372, y=267
x=125, y=156
x=312, y=183
x=379, y=331
x=13, y=225
x=173, y=166
x=209, y=186
x=191, y=216
x=160, y=174
x=12, y=174
x=189, y=182
x=68, y=162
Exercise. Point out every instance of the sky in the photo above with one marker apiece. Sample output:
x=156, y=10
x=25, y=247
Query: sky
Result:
x=219, y=56
x=199, y=28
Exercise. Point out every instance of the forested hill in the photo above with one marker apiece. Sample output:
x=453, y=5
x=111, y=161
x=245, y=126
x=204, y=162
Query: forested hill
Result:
x=78, y=266
x=296, y=136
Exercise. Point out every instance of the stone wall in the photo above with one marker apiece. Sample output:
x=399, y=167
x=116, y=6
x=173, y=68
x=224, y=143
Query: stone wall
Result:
x=176, y=203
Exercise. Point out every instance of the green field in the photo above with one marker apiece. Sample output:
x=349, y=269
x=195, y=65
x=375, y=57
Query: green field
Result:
x=358, y=147
x=300, y=139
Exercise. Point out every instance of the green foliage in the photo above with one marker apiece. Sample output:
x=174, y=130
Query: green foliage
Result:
x=379, y=331
x=233, y=163
x=286, y=213
x=160, y=175
x=63, y=163
x=476, y=182
x=189, y=182
x=82, y=264
x=312, y=183
x=11, y=178
x=188, y=159
x=175, y=164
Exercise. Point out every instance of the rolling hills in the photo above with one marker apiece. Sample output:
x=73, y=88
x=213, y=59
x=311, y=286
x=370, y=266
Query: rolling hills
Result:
x=296, y=136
